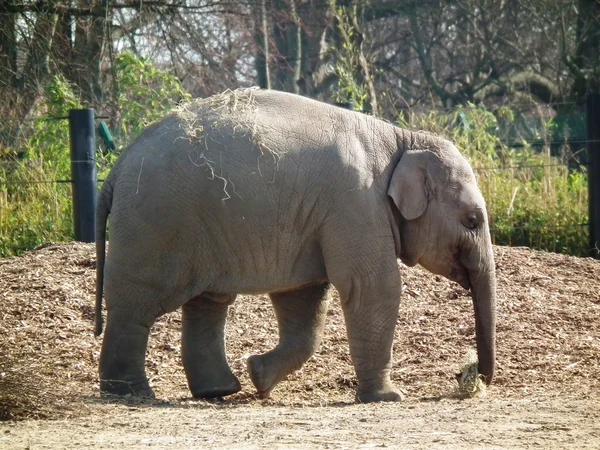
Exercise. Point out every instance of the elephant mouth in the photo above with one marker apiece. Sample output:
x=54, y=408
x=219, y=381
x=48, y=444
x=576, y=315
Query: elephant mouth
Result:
x=459, y=274
x=451, y=268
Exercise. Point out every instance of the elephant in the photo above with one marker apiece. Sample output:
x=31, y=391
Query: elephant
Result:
x=256, y=191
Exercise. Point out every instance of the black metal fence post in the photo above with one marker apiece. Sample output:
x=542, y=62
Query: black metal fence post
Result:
x=83, y=173
x=347, y=105
x=593, y=136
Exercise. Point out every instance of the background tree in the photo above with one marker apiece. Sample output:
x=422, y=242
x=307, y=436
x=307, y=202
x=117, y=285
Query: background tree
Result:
x=404, y=54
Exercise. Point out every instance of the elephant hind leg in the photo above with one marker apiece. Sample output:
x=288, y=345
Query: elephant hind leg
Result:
x=123, y=355
x=203, y=347
x=301, y=318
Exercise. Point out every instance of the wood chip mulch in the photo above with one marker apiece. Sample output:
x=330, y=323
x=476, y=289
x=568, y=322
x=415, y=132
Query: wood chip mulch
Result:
x=548, y=336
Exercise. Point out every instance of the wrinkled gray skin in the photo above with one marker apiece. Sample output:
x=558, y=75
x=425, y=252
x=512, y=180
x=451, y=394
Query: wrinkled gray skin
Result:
x=315, y=195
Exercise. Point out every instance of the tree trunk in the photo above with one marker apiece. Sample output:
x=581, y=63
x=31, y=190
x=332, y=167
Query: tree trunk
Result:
x=261, y=40
x=8, y=78
x=315, y=75
x=87, y=56
x=36, y=71
x=587, y=53
x=8, y=50
x=288, y=43
x=365, y=72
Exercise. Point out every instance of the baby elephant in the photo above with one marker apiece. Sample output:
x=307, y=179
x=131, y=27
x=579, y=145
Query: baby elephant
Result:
x=255, y=191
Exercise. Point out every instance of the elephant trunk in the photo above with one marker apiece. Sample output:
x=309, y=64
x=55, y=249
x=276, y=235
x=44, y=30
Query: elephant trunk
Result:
x=483, y=288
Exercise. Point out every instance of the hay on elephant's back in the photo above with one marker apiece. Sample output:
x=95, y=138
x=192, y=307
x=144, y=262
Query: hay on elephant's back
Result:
x=232, y=108
x=232, y=112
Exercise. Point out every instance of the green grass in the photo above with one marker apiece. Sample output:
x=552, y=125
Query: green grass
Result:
x=32, y=212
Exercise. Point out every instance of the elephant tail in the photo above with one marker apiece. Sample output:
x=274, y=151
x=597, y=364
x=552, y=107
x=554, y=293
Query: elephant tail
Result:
x=104, y=205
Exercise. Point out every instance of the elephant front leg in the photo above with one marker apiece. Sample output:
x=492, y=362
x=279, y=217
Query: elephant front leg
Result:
x=301, y=319
x=203, y=347
x=123, y=355
x=370, y=311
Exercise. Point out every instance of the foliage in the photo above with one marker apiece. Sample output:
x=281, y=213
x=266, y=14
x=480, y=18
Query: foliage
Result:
x=533, y=198
x=349, y=88
x=35, y=210
x=146, y=93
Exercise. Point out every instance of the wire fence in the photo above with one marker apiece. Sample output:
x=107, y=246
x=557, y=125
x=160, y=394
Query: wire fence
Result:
x=570, y=165
x=475, y=169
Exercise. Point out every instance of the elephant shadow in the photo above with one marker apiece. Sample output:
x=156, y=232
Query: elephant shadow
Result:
x=241, y=399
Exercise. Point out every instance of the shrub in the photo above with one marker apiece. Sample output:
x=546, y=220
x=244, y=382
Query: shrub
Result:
x=146, y=93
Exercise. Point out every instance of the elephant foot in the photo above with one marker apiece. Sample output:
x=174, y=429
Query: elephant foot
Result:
x=121, y=369
x=388, y=393
x=203, y=347
x=125, y=388
x=263, y=377
x=218, y=386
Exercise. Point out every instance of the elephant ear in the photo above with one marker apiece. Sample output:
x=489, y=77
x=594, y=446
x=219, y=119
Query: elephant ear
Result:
x=408, y=187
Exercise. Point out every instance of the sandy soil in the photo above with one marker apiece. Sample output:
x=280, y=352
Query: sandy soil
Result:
x=546, y=394
x=446, y=423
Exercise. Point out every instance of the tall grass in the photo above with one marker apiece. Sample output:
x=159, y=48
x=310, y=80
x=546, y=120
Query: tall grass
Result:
x=33, y=209
x=533, y=199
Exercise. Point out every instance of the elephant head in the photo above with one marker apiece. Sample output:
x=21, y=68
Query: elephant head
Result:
x=443, y=226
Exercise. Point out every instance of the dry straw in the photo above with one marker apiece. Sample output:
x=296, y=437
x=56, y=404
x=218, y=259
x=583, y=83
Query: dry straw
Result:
x=24, y=393
x=470, y=382
x=236, y=109
x=231, y=111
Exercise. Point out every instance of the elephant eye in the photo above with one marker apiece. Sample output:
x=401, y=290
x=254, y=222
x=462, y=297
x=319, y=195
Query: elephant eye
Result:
x=471, y=221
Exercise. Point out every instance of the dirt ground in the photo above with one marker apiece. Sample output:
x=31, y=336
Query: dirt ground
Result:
x=546, y=394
